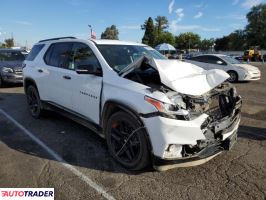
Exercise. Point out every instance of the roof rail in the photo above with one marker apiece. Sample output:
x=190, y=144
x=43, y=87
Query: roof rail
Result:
x=59, y=38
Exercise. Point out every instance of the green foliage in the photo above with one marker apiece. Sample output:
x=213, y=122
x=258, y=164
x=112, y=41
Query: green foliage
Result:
x=256, y=28
x=253, y=35
x=149, y=35
x=234, y=41
x=8, y=43
x=110, y=33
x=165, y=37
x=187, y=40
x=206, y=44
x=161, y=23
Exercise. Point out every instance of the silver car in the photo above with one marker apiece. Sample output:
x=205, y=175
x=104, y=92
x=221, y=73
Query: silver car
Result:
x=238, y=71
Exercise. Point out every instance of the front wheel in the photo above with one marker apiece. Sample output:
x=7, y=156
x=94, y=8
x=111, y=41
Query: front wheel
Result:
x=126, y=141
x=233, y=76
x=34, y=101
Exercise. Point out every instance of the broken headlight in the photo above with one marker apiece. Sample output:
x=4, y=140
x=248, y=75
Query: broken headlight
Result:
x=168, y=110
x=178, y=101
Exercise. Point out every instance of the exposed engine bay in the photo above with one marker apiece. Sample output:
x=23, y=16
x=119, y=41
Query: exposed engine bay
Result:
x=217, y=103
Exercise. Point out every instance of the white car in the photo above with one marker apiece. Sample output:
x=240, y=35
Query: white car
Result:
x=150, y=110
x=238, y=71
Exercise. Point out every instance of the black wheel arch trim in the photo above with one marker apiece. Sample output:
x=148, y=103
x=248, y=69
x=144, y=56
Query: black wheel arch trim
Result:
x=27, y=79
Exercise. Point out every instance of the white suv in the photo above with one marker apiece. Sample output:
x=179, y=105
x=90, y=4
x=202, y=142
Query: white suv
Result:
x=150, y=110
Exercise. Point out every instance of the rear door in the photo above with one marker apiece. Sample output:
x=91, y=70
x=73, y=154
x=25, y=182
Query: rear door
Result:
x=58, y=84
x=199, y=61
x=214, y=62
x=86, y=87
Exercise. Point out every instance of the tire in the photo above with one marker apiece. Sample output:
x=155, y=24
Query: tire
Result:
x=1, y=82
x=127, y=141
x=34, y=102
x=233, y=76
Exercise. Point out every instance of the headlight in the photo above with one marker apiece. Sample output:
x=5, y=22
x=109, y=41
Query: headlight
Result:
x=7, y=70
x=166, y=108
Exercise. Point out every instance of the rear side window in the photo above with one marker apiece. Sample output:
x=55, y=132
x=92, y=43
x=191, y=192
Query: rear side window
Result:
x=213, y=60
x=34, y=52
x=11, y=56
x=59, y=55
x=198, y=58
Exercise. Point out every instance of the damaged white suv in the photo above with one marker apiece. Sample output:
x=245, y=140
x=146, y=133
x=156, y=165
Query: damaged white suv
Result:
x=150, y=110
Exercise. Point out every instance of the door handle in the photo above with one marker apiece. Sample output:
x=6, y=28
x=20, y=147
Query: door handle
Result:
x=67, y=77
x=40, y=70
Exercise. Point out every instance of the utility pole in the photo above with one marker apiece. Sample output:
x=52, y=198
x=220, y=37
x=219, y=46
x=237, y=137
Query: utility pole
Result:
x=91, y=29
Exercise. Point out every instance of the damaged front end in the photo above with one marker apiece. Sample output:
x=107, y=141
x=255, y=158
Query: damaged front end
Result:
x=223, y=106
x=200, y=118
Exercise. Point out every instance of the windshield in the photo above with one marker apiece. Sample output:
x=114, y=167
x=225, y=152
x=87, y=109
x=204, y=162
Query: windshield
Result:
x=230, y=60
x=120, y=56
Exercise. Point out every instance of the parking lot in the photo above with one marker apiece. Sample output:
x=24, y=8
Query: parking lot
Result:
x=57, y=152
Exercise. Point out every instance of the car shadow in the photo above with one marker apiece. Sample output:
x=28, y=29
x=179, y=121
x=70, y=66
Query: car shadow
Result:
x=11, y=85
x=76, y=144
x=253, y=133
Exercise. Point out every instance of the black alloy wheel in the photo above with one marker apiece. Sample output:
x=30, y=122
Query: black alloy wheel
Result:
x=127, y=142
x=34, y=101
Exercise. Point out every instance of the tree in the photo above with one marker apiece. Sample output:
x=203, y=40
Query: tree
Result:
x=187, y=40
x=161, y=24
x=149, y=35
x=206, y=44
x=110, y=33
x=234, y=41
x=9, y=43
x=165, y=37
x=256, y=28
x=221, y=44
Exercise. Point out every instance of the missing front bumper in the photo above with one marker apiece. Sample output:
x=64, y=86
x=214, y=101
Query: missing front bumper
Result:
x=200, y=158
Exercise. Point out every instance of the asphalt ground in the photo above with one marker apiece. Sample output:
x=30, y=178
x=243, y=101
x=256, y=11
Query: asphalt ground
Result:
x=56, y=152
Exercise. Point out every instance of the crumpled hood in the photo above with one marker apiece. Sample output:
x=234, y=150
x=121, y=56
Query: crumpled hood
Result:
x=247, y=67
x=187, y=78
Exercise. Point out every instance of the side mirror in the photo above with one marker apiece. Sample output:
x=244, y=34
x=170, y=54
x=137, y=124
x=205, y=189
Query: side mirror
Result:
x=219, y=62
x=89, y=69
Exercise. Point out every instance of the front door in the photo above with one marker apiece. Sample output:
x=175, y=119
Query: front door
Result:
x=86, y=87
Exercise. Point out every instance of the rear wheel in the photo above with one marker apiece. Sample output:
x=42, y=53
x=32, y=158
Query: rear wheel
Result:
x=1, y=81
x=34, y=101
x=233, y=76
x=126, y=141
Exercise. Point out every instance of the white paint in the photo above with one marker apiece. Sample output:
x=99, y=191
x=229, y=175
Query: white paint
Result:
x=79, y=174
x=187, y=78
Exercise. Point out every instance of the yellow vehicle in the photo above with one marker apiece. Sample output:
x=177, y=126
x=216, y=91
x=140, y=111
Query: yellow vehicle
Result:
x=252, y=55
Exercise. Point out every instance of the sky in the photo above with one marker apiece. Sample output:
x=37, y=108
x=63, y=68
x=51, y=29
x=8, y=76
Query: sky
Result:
x=32, y=20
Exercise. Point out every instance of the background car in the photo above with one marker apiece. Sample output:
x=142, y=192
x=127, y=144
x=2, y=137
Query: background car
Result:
x=238, y=71
x=11, y=66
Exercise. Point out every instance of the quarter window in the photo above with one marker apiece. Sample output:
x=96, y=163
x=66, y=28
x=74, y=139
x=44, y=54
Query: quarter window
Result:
x=214, y=60
x=34, y=52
